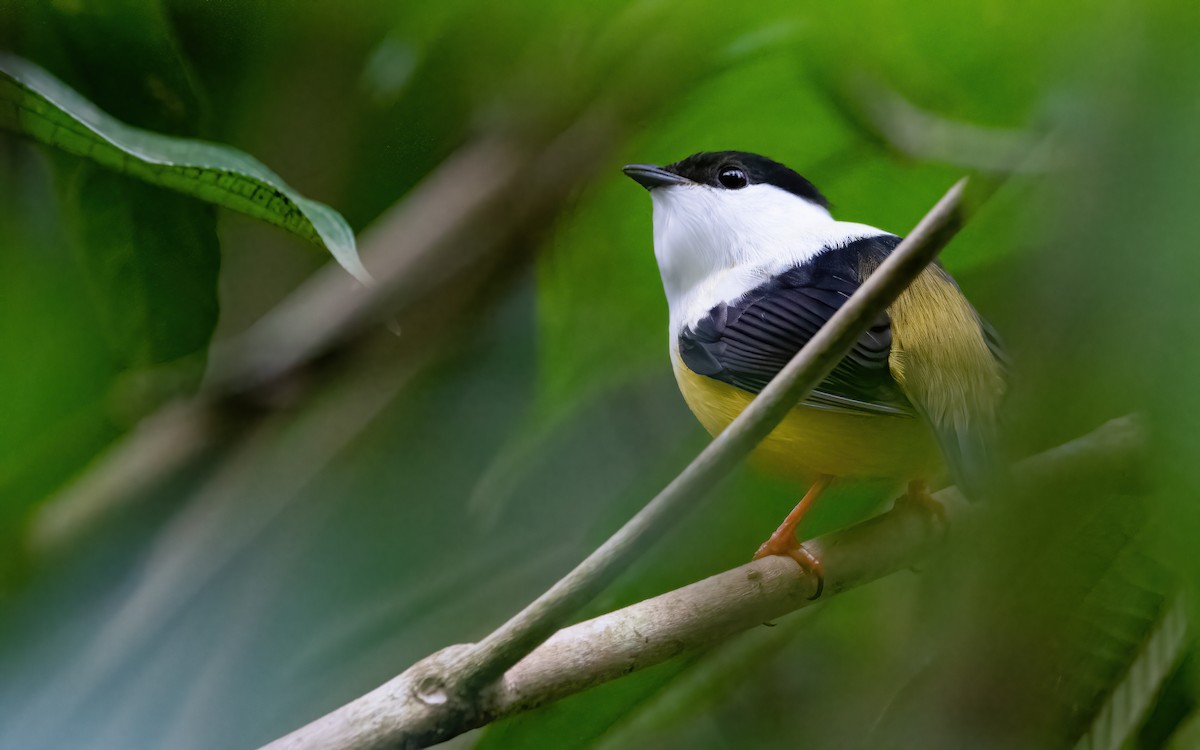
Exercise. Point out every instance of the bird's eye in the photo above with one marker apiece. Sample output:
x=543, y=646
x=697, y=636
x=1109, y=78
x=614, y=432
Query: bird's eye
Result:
x=732, y=178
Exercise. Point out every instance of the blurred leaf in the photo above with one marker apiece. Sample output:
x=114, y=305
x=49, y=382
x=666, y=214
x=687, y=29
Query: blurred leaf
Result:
x=149, y=257
x=1132, y=697
x=1187, y=737
x=1131, y=637
x=129, y=270
x=56, y=369
x=151, y=260
x=938, y=57
x=148, y=84
x=37, y=104
x=1047, y=604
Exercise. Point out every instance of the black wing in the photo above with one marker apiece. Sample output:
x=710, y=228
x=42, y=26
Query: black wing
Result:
x=745, y=343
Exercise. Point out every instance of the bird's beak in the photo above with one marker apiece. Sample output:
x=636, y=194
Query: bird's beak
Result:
x=650, y=176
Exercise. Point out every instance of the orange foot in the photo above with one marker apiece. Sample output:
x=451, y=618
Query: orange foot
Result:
x=786, y=544
x=922, y=500
x=783, y=541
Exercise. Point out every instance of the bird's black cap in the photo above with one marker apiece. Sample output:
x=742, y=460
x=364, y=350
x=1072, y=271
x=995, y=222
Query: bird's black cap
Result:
x=707, y=168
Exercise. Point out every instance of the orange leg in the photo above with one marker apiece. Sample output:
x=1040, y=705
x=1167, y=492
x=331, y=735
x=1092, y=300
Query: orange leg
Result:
x=783, y=541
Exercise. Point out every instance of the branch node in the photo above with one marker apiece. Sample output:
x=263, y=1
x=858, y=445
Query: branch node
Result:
x=431, y=690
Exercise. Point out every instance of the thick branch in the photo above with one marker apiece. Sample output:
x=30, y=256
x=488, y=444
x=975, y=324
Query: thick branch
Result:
x=413, y=711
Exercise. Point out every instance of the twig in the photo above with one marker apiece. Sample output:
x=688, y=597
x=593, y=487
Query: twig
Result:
x=412, y=710
x=883, y=115
x=174, y=436
x=923, y=135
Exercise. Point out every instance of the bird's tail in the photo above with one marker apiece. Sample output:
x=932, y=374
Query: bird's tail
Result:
x=974, y=459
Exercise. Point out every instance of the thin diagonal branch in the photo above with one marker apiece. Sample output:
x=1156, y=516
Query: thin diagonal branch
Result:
x=412, y=711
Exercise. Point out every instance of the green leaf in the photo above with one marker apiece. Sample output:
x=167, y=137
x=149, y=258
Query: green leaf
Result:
x=1187, y=735
x=151, y=259
x=1133, y=696
x=37, y=104
x=109, y=283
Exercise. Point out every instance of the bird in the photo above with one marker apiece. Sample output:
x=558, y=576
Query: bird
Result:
x=753, y=264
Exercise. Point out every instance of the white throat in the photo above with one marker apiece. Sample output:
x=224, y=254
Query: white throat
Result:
x=715, y=245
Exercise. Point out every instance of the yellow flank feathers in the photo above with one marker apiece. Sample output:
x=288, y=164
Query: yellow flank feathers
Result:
x=811, y=441
x=940, y=357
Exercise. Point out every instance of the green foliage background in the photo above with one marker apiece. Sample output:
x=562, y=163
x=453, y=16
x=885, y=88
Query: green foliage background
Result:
x=418, y=495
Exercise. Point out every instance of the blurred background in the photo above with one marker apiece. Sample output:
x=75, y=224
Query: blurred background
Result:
x=223, y=516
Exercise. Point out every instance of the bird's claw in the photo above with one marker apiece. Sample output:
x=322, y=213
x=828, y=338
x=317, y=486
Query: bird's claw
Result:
x=920, y=499
x=789, y=547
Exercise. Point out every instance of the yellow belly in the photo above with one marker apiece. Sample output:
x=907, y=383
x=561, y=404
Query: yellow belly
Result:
x=812, y=441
